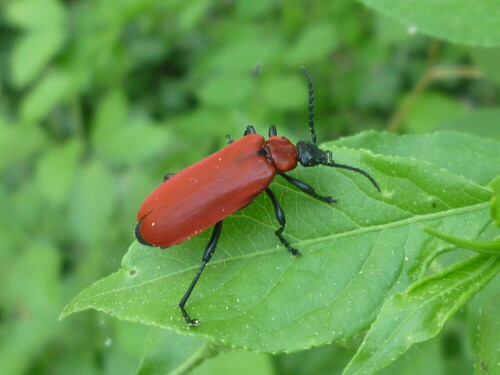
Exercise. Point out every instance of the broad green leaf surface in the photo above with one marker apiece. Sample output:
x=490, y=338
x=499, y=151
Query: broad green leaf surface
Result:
x=488, y=339
x=457, y=152
x=357, y=253
x=460, y=21
x=420, y=312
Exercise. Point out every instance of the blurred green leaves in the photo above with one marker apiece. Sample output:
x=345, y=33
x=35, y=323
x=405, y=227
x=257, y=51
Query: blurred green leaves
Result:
x=98, y=100
x=459, y=21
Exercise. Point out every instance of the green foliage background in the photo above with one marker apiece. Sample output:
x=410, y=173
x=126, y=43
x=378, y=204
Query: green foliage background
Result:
x=99, y=99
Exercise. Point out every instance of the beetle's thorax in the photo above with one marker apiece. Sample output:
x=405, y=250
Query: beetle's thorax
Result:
x=281, y=153
x=309, y=154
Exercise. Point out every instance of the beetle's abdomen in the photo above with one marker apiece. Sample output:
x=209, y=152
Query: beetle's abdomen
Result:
x=203, y=194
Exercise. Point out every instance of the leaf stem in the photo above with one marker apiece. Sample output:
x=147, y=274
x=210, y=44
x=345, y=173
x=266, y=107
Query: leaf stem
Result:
x=430, y=75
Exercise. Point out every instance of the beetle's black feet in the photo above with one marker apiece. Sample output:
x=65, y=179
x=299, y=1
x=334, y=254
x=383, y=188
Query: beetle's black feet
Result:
x=189, y=321
x=193, y=322
x=295, y=252
x=329, y=200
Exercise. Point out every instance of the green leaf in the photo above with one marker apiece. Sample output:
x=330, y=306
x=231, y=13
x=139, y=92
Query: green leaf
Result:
x=32, y=53
x=33, y=140
x=495, y=201
x=486, y=247
x=420, y=312
x=459, y=21
x=422, y=358
x=92, y=202
x=439, y=149
x=284, y=92
x=56, y=169
x=236, y=362
x=484, y=59
x=122, y=138
x=226, y=90
x=171, y=353
x=36, y=15
x=314, y=44
x=488, y=338
x=481, y=122
x=51, y=90
x=357, y=253
x=32, y=299
x=430, y=111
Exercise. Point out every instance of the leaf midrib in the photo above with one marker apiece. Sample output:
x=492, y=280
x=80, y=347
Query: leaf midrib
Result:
x=386, y=226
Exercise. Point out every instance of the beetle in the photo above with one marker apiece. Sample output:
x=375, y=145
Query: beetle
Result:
x=204, y=194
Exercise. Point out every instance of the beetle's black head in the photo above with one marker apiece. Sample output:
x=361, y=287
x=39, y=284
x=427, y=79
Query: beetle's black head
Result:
x=309, y=155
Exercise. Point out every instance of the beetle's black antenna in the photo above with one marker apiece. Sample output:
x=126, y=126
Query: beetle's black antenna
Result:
x=311, y=104
x=354, y=169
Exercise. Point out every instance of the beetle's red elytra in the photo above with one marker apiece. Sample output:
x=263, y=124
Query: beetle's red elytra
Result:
x=204, y=194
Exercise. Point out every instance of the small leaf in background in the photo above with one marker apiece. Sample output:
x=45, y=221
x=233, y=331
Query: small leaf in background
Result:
x=486, y=61
x=284, y=92
x=488, y=338
x=31, y=304
x=36, y=15
x=481, y=122
x=54, y=88
x=422, y=358
x=226, y=90
x=33, y=140
x=430, y=111
x=123, y=139
x=313, y=44
x=459, y=21
x=238, y=362
x=92, y=202
x=168, y=352
x=32, y=53
x=56, y=170
x=420, y=312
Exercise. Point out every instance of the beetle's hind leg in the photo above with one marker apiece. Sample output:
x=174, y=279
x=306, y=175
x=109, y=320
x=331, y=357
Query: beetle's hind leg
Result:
x=280, y=216
x=209, y=251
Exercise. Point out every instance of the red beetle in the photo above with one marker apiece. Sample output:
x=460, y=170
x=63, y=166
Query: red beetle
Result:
x=202, y=195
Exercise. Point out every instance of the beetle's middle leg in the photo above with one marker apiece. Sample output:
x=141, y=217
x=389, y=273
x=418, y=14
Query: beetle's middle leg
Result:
x=280, y=216
x=308, y=189
x=209, y=251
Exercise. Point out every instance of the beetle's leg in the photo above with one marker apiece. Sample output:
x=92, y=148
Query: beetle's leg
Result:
x=272, y=131
x=167, y=176
x=209, y=251
x=249, y=130
x=280, y=216
x=308, y=189
x=229, y=140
